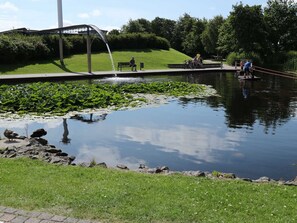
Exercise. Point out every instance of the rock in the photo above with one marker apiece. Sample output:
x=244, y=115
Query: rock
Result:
x=12, y=155
x=151, y=170
x=61, y=154
x=194, y=173
x=123, y=167
x=228, y=175
x=158, y=170
x=84, y=164
x=103, y=165
x=164, y=168
x=142, y=166
x=52, y=150
x=42, y=141
x=262, y=180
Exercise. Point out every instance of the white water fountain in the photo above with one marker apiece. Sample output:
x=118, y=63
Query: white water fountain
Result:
x=101, y=34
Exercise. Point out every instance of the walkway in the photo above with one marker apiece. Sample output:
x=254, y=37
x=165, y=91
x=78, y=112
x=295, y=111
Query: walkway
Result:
x=21, y=78
x=12, y=215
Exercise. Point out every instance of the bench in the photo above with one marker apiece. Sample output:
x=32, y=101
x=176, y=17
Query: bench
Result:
x=127, y=64
x=184, y=66
x=123, y=64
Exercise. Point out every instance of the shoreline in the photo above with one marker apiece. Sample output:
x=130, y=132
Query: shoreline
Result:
x=39, y=149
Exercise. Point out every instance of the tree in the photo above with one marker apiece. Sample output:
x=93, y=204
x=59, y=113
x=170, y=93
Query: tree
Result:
x=281, y=18
x=187, y=35
x=183, y=27
x=137, y=26
x=163, y=27
x=192, y=44
x=249, y=27
x=210, y=35
x=227, y=41
x=114, y=32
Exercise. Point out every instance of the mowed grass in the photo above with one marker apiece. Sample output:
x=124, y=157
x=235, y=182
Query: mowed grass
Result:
x=112, y=195
x=152, y=59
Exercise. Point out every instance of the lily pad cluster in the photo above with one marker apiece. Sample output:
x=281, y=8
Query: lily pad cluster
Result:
x=60, y=98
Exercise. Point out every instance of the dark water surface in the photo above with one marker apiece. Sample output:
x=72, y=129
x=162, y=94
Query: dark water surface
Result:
x=249, y=130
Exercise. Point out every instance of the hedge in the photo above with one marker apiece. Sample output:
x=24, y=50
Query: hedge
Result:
x=16, y=48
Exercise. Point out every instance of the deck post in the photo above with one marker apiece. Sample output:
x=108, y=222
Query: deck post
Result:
x=89, y=51
x=60, y=24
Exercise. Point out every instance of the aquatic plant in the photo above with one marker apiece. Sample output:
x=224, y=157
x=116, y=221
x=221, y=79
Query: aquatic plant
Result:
x=60, y=98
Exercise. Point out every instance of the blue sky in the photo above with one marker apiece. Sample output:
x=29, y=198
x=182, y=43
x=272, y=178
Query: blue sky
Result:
x=107, y=14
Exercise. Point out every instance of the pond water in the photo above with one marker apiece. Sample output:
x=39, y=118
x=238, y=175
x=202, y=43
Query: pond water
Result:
x=250, y=130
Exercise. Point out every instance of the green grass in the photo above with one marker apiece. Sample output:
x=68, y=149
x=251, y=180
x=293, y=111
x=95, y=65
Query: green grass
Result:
x=118, y=196
x=152, y=59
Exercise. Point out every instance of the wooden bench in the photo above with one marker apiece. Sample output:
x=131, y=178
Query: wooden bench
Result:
x=123, y=64
x=208, y=65
x=127, y=64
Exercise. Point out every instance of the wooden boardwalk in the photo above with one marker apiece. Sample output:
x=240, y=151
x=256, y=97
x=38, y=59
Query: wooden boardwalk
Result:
x=23, y=78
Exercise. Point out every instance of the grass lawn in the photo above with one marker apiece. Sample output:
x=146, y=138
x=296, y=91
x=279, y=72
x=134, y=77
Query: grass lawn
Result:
x=118, y=196
x=152, y=59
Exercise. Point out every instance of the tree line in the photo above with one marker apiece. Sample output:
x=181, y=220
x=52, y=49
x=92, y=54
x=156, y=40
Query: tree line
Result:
x=265, y=33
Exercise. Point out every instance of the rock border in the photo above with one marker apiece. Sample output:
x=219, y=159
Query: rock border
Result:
x=39, y=149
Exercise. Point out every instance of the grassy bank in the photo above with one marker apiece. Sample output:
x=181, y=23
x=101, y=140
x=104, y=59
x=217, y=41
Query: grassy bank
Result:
x=118, y=196
x=152, y=59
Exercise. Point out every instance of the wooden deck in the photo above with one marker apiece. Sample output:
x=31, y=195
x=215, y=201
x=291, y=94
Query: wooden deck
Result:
x=23, y=78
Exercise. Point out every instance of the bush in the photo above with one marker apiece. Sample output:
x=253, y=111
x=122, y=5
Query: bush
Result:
x=8, y=50
x=17, y=48
x=291, y=62
x=232, y=57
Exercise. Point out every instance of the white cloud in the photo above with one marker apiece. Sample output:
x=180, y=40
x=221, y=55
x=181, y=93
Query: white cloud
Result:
x=84, y=15
x=8, y=6
x=92, y=14
x=95, y=13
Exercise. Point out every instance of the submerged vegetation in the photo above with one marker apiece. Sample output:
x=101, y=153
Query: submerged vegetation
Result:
x=60, y=98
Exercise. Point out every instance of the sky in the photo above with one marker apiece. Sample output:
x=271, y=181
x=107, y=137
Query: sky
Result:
x=107, y=14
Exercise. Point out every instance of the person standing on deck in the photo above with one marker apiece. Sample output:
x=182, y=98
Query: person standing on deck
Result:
x=246, y=68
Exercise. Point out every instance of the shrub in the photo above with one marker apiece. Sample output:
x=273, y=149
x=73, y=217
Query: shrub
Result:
x=232, y=57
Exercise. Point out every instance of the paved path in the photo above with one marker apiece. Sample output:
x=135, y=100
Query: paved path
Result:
x=16, y=78
x=19, y=216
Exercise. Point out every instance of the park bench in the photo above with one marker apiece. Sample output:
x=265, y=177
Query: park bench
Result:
x=123, y=64
x=127, y=64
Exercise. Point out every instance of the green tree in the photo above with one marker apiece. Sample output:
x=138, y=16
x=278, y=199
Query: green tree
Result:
x=227, y=41
x=187, y=35
x=114, y=32
x=137, y=26
x=164, y=28
x=249, y=27
x=281, y=18
x=210, y=35
x=192, y=44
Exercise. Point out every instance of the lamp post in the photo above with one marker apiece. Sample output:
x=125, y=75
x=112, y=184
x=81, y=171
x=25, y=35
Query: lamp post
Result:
x=60, y=25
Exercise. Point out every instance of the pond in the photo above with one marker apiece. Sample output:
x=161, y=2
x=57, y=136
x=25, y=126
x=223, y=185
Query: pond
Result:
x=249, y=130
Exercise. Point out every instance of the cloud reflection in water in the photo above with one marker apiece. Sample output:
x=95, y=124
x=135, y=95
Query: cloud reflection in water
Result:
x=199, y=143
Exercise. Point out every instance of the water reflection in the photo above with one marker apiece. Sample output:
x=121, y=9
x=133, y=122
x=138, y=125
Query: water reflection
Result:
x=201, y=144
x=89, y=118
x=250, y=133
x=271, y=100
x=65, y=138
